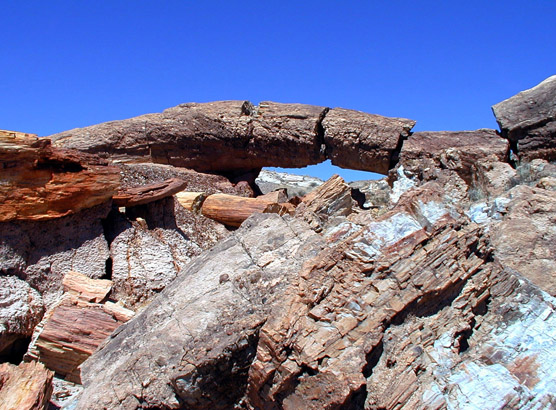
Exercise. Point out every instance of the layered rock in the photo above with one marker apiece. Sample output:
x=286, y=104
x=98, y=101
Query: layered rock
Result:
x=41, y=182
x=208, y=318
x=73, y=329
x=21, y=309
x=528, y=120
x=235, y=136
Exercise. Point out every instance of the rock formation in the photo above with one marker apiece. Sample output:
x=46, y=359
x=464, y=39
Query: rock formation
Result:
x=431, y=288
x=41, y=182
x=25, y=387
x=236, y=136
x=528, y=120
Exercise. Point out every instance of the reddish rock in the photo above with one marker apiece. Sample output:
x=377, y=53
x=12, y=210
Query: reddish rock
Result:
x=367, y=142
x=426, y=152
x=219, y=136
x=41, y=182
x=528, y=120
x=148, y=193
x=25, y=387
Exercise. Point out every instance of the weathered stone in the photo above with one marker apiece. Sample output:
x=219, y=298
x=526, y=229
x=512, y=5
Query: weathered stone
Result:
x=526, y=239
x=42, y=252
x=21, y=309
x=528, y=120
x=41, y=182
x=136, y=175
x=85, y=288
x=316, y=349
x=424, y=153
x=377, y=194
x=296, y=185
x=333, y=198
x=25, y=387
x=151, y=244
x=148, y=193
x=362, y=141
x=491, y=178
x=193, y=345
x=218, y=136
x=73, y=328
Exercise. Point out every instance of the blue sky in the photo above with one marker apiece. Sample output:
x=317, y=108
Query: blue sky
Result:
x=68, y=64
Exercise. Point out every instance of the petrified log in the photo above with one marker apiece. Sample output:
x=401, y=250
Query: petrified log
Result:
x=85, y=288
x=233, y=210
x=528, y=120
x=192, y=201
x=43, y=182
x=73, y=329
x=235, y=136
x=149, y=193
x=25, y=387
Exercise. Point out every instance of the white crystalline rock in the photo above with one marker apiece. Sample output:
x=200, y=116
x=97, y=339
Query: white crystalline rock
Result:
x=401, y=185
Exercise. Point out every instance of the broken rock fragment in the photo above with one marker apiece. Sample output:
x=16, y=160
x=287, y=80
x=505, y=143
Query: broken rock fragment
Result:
x=528, y=120
x=25, y=387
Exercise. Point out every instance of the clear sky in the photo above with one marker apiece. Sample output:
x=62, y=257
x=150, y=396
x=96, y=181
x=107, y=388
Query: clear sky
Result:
x=67, y=64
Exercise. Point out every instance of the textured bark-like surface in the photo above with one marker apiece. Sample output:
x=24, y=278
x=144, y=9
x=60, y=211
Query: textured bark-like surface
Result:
x=148, y=193
x=333, y=198
x=526, y=239
x=41, y=252
x=21, y=309
x=41, y=182
x=25, y=387
x=151, y=244
x=362, y=141
x=232, y=210
x=218, y=136
x=426, y=153
x=528, y=119
x=318, y=346
x=193, y=345
x=135, y=175
x=73, y=329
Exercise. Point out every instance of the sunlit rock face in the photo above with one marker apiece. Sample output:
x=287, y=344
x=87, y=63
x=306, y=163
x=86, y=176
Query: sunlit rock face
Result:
x=432, y=288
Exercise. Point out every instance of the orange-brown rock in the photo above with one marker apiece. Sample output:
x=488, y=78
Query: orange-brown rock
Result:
x=73, y=329
x=233, y=210
x=25, y=387
x=41, y=182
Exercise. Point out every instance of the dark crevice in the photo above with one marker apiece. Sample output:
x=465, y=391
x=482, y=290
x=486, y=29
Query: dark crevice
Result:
x=359, y=197
x=395, y=156
x=319, y=131
x=108, y=269
x=372, y=359
x=15, y=352
x=356, y=400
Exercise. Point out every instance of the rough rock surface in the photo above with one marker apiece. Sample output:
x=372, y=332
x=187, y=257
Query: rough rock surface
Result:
x=526, y=239
x=217, y=136
x=21, y=309
x=425, y=153
x=206, y=319
x=25, y=387
x=236, y=136
x=136, y=175
x=41, y=182
x=296, y=185
x=151, y=244
x=42, y=252
x=528, y=120
x=362, y=141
